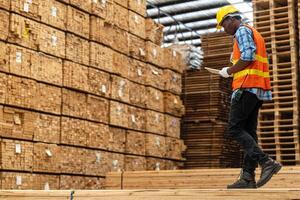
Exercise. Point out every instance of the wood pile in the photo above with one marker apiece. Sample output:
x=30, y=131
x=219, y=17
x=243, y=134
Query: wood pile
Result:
x=278, y=126
x=288, y=177
x=85, y=89
x=207, y=102
x=159, y=194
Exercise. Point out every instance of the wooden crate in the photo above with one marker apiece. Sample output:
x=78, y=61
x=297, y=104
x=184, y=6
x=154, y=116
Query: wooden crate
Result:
x=155, y=145
x=68, y=182
x=121, y=17
x=138, y=6
x=5, y=4
x=173, y=104
x=76, y=76
x=82, y=4
x=154, y=54
x=136, y=118
x=99, y=82
x=4, y=24
x=101, y=57
x=137, y=94
x=97, y=109
x=154, y=31
x=155, y=99
x=120, y=89
x=98, y=135
x=135, y=143
x=24, y=31
x=174, y=60
x=27, y=8
x=123, y=3
x=47, y=128
x=118, y=114
x=101, y=31
x=77, y=49
x=78, y=22
x=48, y=98
x=155, y=164
x=20, y=92
x=96, y=163
x=137, y=25
x=155, y=77
x=3, y=88
x=16, y=155
x=28, y=181
x=117, y=139
x=4, y=57
x=137, y=71
x=49, y=69
x=52, y=41
x=155, y=122
x=53, y=13
x=120, y=38
x=175, y=147
x=137, y=47
x=73, y=161
x=135, y=163
x=172, y=125
x=74, y=104
x=121, y=64
x=103, y=9
x=73, y=131
x=46, y=158
x=22, y=61
x=174, y=81
x=17, y=123
x=115, y=162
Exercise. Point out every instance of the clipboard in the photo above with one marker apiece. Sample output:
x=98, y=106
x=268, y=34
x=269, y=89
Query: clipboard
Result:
x=211, y=70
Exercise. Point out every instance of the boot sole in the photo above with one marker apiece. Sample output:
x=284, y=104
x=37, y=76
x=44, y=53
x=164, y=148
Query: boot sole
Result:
x=274, y=171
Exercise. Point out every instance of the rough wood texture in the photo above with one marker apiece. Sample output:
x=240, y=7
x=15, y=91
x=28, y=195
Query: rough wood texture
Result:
x=209, y=194
x=137, y=25
x=4, y=24
x=288, y=177
x=77, y=49
x=154, y=31
x=138, y=6
x=53, y=13
x=78, y=22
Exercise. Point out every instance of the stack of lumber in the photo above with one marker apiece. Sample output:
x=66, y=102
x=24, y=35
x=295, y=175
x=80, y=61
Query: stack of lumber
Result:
x=178, y=194
x=288, y=177
x=278, y=127
x=85, y=89
x=207, y=102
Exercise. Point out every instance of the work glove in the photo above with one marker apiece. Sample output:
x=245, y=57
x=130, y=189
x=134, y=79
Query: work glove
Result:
x=224, y=73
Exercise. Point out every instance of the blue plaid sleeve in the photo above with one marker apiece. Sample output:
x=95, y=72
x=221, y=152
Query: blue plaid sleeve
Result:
x=246, y=43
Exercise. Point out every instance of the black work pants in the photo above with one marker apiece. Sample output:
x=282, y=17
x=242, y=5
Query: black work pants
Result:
x=242, y=128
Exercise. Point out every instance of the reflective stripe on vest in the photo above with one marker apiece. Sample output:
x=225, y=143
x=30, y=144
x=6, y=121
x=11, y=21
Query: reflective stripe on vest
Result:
x=256, y=74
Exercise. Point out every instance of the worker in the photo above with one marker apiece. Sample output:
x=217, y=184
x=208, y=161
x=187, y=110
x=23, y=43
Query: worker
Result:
x=251, y=86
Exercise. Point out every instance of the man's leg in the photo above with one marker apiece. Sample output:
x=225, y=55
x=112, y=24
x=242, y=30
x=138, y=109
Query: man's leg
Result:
x=239, y=114
x=249, y=164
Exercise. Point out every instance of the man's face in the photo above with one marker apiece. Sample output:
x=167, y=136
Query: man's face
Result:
x=228, y=26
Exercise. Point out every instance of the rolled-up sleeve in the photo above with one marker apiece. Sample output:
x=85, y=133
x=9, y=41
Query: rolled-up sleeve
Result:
x=246, y=43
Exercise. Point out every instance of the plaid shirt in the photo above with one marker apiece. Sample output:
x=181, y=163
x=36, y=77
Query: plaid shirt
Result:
x=244, y=37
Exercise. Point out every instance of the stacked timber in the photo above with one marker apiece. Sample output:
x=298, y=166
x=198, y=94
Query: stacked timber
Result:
x=207, y=102
x=278, y=127
x=195, y=179
x=85, y=89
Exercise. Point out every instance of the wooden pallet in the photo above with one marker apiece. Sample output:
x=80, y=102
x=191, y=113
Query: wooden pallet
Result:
x=278, y=127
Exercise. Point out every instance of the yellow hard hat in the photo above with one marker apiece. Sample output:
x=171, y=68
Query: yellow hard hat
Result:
x=223, y=13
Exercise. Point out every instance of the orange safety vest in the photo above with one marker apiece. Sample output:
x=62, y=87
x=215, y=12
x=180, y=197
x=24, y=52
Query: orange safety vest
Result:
x=256, y=74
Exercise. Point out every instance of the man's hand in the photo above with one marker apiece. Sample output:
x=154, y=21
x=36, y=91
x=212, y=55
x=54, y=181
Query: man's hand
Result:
x=224, y=72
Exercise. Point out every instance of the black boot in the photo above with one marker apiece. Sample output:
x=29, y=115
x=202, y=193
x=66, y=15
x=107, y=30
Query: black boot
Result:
x=246, y=180
x=268, y=169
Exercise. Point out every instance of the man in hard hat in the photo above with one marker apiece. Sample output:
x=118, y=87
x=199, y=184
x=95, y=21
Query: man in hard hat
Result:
x=251, y=86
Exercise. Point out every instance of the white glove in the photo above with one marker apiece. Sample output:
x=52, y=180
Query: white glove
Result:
x=224, y=72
